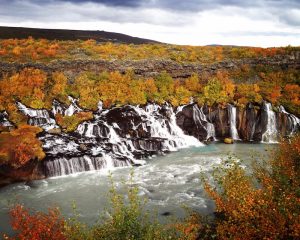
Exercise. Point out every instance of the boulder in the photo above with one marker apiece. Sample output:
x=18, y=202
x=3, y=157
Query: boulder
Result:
x=228, y=140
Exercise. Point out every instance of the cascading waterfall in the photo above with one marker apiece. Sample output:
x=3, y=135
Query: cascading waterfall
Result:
x=106, y=145
x=38, y=117
x=166, y=128
x=202, y=122
x=63, y=166
x=232, y=120
x=294, y=122
x=124, y=136
x=270, y=135
x=57, y=107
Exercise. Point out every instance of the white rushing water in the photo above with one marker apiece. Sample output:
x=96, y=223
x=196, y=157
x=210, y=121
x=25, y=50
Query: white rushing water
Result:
x=271, y=134
x=294, y=122
x=232, y=119
x=109, y=149
x=168, y=182
x=70, y=110
x=129, y=135
x=38, y=117
x=4, y=120
x=166, y=128
x=202, y=122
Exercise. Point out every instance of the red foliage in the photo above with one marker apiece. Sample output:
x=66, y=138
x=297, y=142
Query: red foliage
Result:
x=37, y=226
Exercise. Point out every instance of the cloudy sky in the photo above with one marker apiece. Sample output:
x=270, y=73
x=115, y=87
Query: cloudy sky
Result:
x=263, y=23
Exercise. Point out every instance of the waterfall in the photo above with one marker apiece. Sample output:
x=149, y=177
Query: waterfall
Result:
x=120, y=136
x=4, y=120
x=166, y=127
x=63, y=166
x=63, y=109
x=127, y=135
x=270, y=134
x=232, y=120
x=202, y=122
x=294, y=122
x=38, y=117
x=100, y=106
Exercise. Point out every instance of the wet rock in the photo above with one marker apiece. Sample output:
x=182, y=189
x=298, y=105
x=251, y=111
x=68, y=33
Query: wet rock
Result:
x=166, y=214
x=32, y=170
x=122, y=136
x=246, y=121
x=4, y=122
x=83, y=147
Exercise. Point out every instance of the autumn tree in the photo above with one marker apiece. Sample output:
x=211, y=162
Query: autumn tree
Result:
x=70, y=123
x=248, y=93
x=27, y=86
x=87, y=88
x=193, y=85
x=19, y=146
x=151, y=90
x=291, y=98
x=59, y=87
x=165, y=86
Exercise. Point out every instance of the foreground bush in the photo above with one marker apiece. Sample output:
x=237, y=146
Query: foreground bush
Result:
x=265, y=205
x=36, y=226
x=128, y=219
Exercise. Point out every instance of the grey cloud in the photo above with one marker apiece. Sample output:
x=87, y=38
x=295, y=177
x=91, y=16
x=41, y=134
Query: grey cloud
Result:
x=66, y=11
x=178, y=5
x=137, y=11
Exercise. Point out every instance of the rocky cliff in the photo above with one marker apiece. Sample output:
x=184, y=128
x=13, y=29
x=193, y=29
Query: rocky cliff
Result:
x=251, y=123
x=129, y=135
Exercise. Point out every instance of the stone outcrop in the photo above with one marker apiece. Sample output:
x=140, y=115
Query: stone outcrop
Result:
x=150, y=67
x=253, y=122
x=124, y=136
x=32, y=170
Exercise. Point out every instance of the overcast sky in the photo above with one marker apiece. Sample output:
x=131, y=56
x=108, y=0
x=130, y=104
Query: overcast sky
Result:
x=263, y=23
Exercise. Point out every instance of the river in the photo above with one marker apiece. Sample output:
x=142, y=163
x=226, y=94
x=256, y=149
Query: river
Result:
x=168, y=182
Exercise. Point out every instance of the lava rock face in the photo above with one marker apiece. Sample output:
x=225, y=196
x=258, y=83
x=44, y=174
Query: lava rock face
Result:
x=253, y=122
x=128, y=135
x=246, y=121
x=186, y=121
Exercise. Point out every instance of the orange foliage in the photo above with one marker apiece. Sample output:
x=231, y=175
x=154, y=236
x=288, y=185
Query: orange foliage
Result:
x=150, y=89
x=20, y=145
x=192, y=84
x=38, y=225
x=269, y=212
x=46, y=50
x=292, y=93
x=26, y=86
x=247, y=93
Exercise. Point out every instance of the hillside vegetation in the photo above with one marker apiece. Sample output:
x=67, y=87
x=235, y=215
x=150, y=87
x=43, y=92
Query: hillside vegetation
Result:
x=43, y=50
